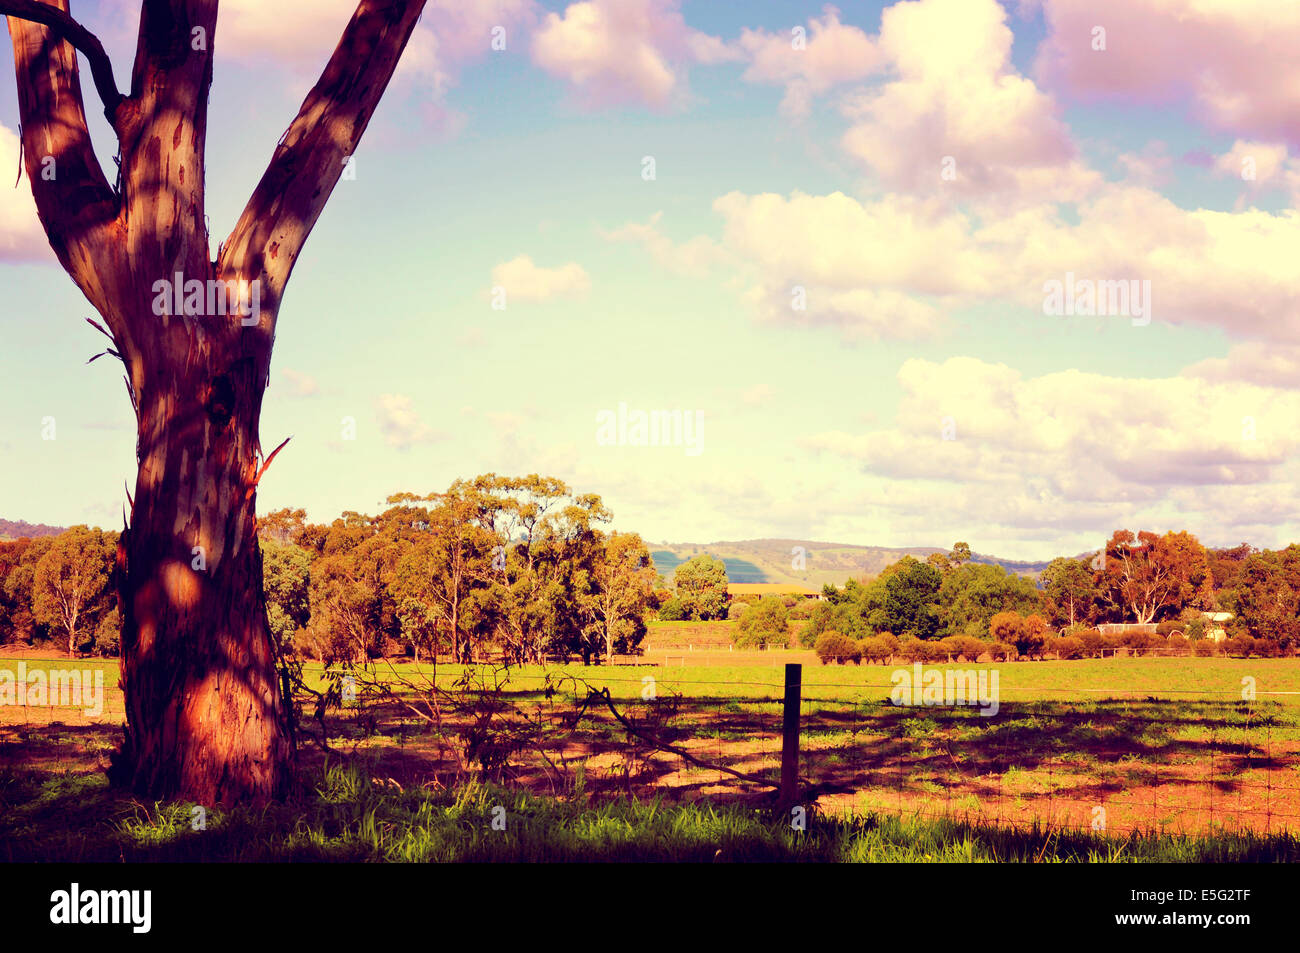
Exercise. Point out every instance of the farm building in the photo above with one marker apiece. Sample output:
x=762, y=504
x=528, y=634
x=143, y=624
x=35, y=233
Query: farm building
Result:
x=743, y=590
x=1214, y=625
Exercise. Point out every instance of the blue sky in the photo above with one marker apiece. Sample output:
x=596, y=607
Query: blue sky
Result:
x=775, y=167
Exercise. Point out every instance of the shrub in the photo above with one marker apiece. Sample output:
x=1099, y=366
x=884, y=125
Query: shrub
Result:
x=1169, y=627
x=933, y=651
x=1093, y=641
x=1000, y=651
x=736, y=609
x=1178, y=644
x=910, y=649
x=1238, y=645
x=890, y=640
x=834, y=647
x=674, y=610
x=951, y=646
x=1194, y=629
x=1139, y=642
x=1203, y=648
x=875, y=649
x=803, y=609
x=1069, y=647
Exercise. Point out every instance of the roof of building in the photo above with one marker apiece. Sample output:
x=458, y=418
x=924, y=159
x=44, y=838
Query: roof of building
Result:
x=769, y=589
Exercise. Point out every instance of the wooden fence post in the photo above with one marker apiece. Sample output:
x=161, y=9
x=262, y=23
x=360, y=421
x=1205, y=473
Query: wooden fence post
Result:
x=790, y=736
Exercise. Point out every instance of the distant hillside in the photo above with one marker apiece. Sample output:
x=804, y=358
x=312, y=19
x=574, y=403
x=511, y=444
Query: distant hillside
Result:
x=771, y=560
x=9, y=529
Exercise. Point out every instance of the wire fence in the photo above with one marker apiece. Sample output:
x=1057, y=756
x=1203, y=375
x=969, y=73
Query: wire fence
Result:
x=1102, y=758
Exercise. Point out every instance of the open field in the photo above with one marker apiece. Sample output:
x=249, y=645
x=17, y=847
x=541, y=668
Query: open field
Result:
x=1146, y=744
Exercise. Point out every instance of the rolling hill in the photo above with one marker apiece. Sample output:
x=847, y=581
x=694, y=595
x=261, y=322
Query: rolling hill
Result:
x=771, y=560
x=16, y=529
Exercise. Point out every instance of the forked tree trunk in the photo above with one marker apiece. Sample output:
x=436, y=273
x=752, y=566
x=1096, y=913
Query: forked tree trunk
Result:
x=205, y=716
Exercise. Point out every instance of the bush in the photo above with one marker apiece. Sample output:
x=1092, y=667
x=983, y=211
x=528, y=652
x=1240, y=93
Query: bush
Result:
x=674, y=610
x=1203, y=648
x=803, y=609
x=834, y=647
x=1069, y=647
x=1139, y=642
x=1000, y=651
x=1178, y=644
x=1093, y=641
x=1194, y=629
x=736, y=609
x=875, y=649
x=890, y=640
x=1169, y=627
x=933, y=651
x=969, y=647
x=1238, y=645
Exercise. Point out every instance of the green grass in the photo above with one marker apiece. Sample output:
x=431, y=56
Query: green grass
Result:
x=349, y=817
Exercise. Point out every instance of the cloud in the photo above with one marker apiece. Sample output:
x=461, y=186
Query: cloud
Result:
x=1072, y=450
x=1233, y=61
x=957, y=115
x=1261, y=166
x=616, y=52
x=525, y=281
x=21, y=235
x=399, y=423
x=831, y=54
x=869, y=266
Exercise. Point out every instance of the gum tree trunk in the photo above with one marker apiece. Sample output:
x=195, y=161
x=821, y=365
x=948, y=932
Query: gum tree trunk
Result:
x=205, y=716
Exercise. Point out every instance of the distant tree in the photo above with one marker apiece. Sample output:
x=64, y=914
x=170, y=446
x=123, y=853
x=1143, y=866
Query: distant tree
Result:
x=973, y=593
x=939, y=561
x=960, y=553
x=766, y=623
x=1147, y=576
x=701, y=584
x=902, y=599
x=71, y=578
x=286, y=578
x=1069, y=591
x=617, y=596
x=1266, y=599
x=674, y=610
x=282, y=526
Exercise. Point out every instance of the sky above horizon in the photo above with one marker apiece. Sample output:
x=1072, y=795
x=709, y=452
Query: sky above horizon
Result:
x=837, y=270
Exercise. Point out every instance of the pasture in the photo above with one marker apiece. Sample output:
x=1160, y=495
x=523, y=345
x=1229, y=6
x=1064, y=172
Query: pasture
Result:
x=1111, y=749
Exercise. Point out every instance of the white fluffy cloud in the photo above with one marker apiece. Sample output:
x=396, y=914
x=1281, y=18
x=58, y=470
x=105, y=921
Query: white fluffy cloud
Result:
x=1074, y=451
x=525, y=281
x=956, y=105
x=613, y=52
x=891, y=267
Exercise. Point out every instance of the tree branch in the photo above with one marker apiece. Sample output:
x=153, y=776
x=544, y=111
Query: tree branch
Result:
x=69, y=30
x=309, y=160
